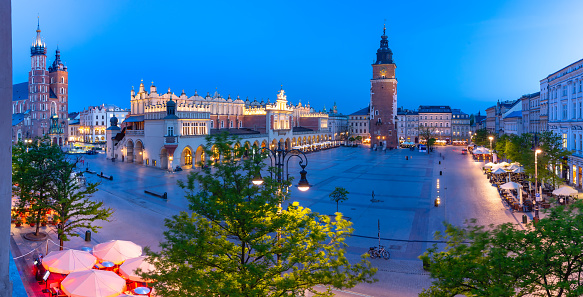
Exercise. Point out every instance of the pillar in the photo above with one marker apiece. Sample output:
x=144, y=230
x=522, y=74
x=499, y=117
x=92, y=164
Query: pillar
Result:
x=5, y=144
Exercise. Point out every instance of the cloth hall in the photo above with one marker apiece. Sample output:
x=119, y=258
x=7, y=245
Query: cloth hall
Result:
x=167, y=130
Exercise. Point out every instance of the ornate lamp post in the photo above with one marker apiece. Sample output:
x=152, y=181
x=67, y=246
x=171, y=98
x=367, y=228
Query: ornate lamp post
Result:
x=491, y=138
x=279, y=159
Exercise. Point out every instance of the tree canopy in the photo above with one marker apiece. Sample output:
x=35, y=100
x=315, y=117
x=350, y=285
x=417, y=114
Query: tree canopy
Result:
x=545, y=259
x=236, y=240
x=46, y=179
x=339, y=194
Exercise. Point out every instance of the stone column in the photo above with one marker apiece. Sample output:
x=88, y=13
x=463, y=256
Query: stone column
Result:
x=5, y=144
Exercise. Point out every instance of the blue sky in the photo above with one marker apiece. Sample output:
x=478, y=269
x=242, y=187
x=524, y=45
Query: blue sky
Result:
x=466, y=54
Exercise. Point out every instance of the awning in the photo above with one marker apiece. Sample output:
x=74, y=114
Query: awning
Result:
x=134, y=119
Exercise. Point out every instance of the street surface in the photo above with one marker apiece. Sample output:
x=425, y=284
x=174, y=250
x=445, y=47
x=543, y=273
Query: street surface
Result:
x=406, y=190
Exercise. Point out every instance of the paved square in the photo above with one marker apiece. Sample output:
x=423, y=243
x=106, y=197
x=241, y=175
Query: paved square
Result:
x=406, y=187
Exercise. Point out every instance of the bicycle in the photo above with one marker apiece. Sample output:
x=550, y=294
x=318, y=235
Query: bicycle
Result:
x=378, y=252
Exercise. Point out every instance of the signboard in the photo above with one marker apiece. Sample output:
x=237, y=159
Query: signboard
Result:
x=538, y=197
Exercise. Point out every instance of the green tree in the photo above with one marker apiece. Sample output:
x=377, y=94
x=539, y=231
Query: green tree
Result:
x=552, y=156
x=545, y=259
x=72, y=207
x=501, y=145
x=338, y=195
x=427, y=134
x=430, y=143
x=481, y=137
x=359, y=138
x=237, y=241
x=33, y=168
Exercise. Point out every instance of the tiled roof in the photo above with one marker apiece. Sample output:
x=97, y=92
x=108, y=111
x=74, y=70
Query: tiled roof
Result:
x=434, y=109
x=233, y=131
x=364, y=111
x=20, y=91
x=514, y=114
x=302, y=129
x=17, y=118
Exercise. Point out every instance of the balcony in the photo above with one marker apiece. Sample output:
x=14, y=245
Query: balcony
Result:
x=170, y=139
x=135, y=132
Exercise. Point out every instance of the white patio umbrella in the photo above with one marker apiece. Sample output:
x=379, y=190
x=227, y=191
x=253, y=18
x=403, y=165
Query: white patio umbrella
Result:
x=504, y=164
x=117, y=251
x=510, y=186
x=128, y=268
x=518, y=170
x=498, y=171
x=489, y=164
x=565, y=191
x=67, y=261
x=93, y=283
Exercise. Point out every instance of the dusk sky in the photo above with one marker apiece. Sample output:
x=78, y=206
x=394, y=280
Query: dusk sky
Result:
x=466, y=54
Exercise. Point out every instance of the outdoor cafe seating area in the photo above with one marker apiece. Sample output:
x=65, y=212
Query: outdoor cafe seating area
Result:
x=519, y=194
x=107, y=269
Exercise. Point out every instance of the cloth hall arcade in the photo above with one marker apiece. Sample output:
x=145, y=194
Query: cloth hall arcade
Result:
x=166, y=130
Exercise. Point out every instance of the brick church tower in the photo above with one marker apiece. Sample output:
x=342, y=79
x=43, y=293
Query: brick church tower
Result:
x=383, y=98
x=47, y=94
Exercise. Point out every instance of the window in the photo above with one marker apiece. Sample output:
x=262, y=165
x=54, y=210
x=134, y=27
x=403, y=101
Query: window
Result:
x=564, y=111
x=97, y=117
x=376, y=112
x=565, y=141
x=574, y=111
x=222, y=124
x=170, y=131
x=564, y=90
x=212, y=124
x=231, y=124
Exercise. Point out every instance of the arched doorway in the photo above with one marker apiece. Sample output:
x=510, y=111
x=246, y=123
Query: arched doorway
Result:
x=263, y=144
x=215, y=154
x=287, y=144
x=163, y=158
x=199, y=156
x=130, y=151
x=139, y=152
x=186, y=157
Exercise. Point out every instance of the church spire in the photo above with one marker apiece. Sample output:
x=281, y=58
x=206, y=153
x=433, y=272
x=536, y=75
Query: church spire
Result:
x=384, y=53
x=38, y=46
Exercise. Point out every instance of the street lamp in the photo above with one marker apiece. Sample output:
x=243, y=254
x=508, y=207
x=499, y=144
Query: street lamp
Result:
x=536, y=152
x=491, y=138
x=281, y=159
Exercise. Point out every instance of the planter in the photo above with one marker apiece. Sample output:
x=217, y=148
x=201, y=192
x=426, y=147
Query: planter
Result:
x=32, y=224
x=43, y=224
x=17, y=224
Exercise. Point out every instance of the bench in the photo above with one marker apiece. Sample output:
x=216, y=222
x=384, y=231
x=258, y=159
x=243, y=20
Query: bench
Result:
x=163, y=196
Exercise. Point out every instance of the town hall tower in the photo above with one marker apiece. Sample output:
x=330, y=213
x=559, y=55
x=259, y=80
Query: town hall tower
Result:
x=383, y=98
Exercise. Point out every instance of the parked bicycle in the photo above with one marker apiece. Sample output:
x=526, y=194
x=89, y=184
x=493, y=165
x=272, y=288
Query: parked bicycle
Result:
x=379, y=252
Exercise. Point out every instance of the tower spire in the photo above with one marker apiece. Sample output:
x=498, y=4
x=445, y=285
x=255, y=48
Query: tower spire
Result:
x=384, y=53
x=38, y=46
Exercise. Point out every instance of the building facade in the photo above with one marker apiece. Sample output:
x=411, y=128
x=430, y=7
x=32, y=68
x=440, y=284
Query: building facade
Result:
x=94, y=121
x=165, y=130
x=460, y=127
x=439, y=119
x=531, y=113
x=407, y=125
x=383, y=98
x=564, y=91
x=337, y=124
x=44, y=98
x=358, y=123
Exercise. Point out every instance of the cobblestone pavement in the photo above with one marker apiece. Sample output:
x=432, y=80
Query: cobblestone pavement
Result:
x=406, y=188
